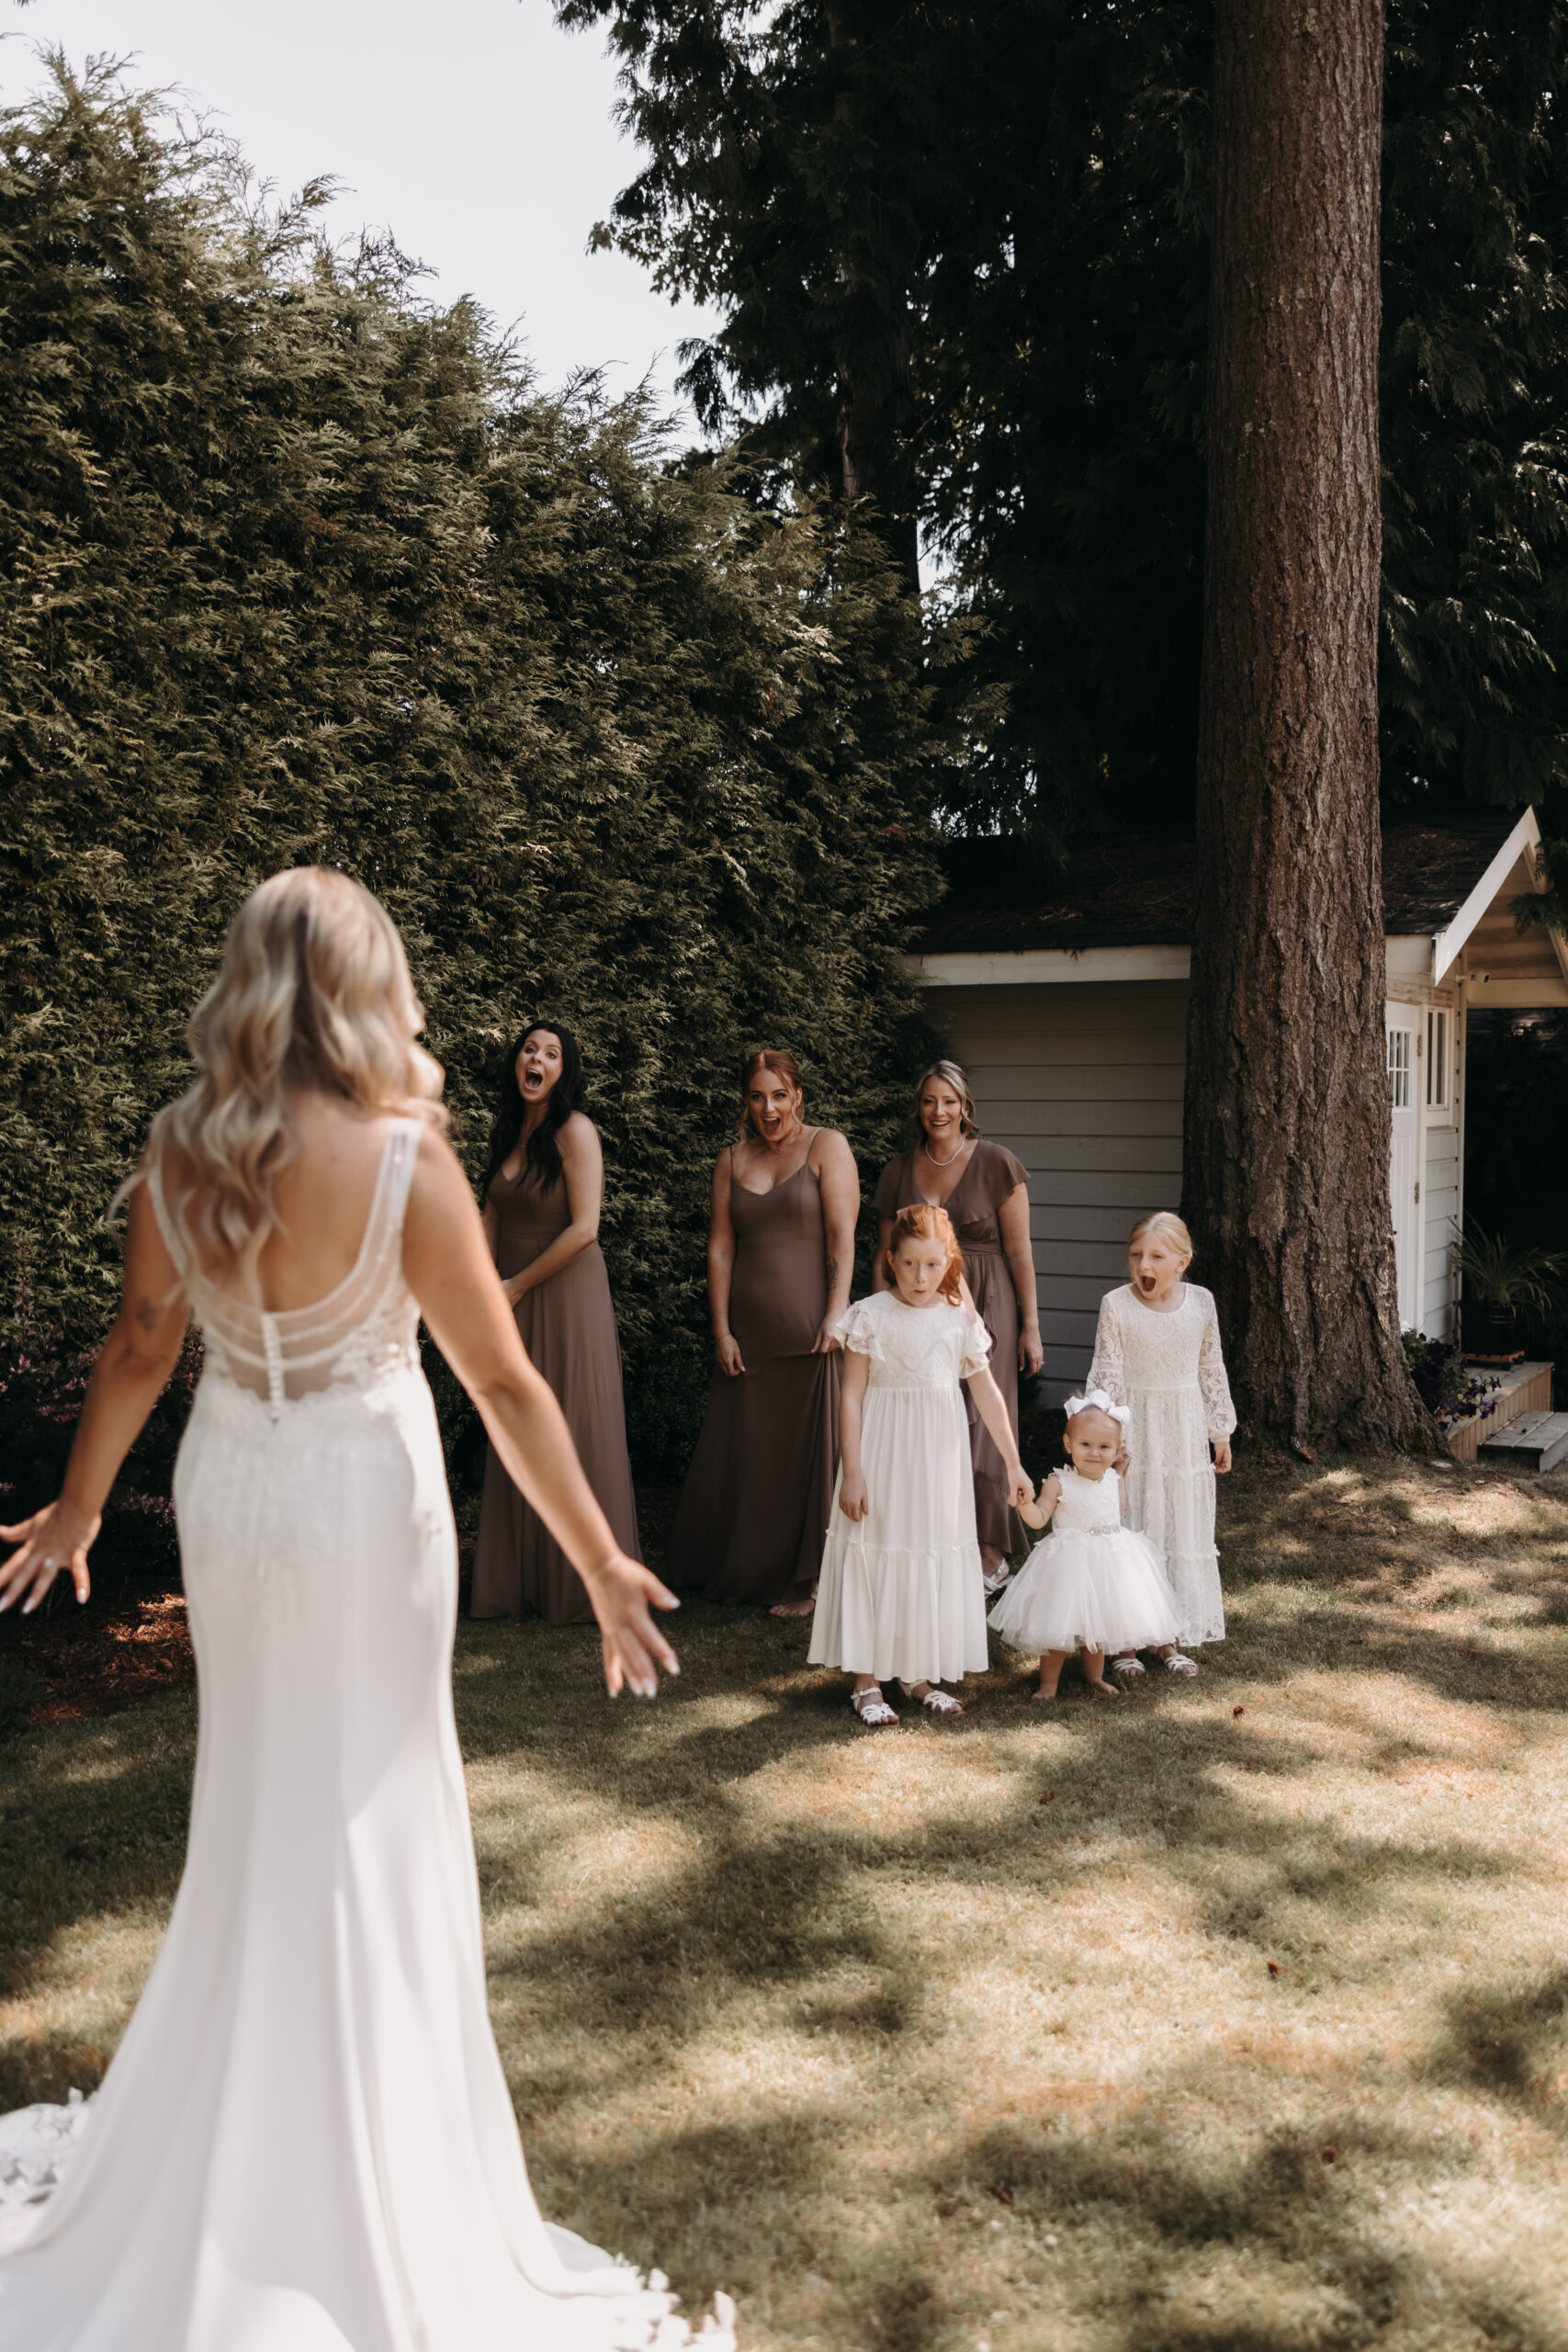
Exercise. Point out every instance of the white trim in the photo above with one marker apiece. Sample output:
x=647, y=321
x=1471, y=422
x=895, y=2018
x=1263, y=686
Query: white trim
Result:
x=1448, y=946
x=1022, y=964
x=1513, y=996
x=1409, y=957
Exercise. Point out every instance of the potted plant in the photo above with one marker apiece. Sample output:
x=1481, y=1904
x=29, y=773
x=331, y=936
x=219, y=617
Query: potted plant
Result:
x=1500, y=1283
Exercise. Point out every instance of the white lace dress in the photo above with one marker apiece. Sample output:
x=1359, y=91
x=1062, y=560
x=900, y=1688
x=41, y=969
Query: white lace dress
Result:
x=1169, y=1369
x=901, y=1590
x=305, y=2143
x=1091, y=1583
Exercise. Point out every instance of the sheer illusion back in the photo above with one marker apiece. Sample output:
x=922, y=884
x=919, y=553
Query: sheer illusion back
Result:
x=305, y=2142
x=365, y=1328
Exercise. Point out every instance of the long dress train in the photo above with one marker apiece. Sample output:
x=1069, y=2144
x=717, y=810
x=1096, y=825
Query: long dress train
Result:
x=305, y=2142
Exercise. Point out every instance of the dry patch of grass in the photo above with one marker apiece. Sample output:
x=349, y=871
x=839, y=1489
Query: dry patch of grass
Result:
x=1234, y=2017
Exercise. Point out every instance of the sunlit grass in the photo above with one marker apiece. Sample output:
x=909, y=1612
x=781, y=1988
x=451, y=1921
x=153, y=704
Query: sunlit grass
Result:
x=1234, y=2017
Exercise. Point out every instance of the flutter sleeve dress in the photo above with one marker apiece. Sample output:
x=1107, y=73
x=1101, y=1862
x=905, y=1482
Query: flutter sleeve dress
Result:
x=975, y=1206
x=1167, y=1368
x=902, y=1591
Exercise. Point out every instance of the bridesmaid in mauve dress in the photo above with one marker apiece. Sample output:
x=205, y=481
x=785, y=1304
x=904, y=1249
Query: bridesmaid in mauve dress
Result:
x=541, y=1213
x=986, y=1192
x=754, y=1512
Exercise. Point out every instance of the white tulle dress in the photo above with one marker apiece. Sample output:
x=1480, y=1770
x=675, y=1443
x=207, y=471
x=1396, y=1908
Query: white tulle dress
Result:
x=1167, y=1368
x=901, y=1590
x=1090, y=1584
x=305, y=2143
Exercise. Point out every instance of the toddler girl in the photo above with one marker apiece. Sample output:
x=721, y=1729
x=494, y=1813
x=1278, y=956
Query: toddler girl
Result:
x=1093, y=1584
x=1157, y=1352
x=901, y=1591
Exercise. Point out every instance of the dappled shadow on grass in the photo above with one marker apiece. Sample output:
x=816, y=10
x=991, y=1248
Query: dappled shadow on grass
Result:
x=94, y=1818
x=1510, y=2042
x=723, y=1934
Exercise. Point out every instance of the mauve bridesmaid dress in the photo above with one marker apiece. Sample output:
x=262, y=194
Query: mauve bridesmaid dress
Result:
x=568, y=1326
x=754, y=1512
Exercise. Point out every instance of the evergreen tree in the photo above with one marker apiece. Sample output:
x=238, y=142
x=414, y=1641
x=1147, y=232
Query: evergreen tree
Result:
x=1028, y=190
x=293, y=567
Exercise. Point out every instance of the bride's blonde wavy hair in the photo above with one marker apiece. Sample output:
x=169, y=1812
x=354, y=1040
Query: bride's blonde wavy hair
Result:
x=313, y=991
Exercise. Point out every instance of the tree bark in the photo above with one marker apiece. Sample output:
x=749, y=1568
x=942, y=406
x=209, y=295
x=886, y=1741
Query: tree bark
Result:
x=1287, y=1118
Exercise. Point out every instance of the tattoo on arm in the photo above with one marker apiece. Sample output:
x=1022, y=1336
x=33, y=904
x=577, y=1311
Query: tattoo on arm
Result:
x=148, y=1315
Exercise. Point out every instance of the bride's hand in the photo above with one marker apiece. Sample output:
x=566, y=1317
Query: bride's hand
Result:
x=623, y=1592
x=53, y=1540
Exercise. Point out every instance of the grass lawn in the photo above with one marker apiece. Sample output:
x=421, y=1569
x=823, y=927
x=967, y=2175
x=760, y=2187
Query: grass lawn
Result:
x=1233, y=2016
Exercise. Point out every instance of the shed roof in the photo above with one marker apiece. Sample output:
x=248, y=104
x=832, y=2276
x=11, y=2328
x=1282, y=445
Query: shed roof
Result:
x=1135, y=889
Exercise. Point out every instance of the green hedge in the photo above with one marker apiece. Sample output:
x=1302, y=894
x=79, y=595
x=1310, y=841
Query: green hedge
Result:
x=294, y=567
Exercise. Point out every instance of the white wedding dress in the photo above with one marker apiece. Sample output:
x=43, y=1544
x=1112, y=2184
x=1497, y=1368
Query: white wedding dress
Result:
x=305, y=2143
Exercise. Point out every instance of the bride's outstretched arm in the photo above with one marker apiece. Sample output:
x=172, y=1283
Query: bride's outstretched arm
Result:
x=448, y=1267
x=127, y=1379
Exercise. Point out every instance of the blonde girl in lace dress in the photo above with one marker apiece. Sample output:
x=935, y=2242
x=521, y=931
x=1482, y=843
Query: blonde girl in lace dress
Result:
x=901, y=1591
x=1157, y=1351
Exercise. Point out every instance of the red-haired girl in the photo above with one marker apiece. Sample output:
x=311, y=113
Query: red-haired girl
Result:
x=901, y=1591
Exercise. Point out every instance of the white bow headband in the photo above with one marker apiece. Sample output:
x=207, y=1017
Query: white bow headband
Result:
x=1097, y=1401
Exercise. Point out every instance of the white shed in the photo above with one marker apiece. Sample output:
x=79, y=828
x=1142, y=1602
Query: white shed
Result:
x=1067, y=1006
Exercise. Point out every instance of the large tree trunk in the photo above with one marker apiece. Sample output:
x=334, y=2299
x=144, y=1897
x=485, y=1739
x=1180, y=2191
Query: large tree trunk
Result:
x=1287, y=1141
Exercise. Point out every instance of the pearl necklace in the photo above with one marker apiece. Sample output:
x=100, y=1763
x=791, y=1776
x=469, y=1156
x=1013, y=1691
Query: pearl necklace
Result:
x=952, y=1155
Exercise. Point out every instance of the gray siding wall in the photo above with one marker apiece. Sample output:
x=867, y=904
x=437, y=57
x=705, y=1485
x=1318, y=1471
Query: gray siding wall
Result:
x=1084, y=1083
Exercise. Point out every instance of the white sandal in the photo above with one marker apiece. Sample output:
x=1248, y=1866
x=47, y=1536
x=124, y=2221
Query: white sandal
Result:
x=871, y=1707
x=1129, y=1663
x=941, y=1702
x=1179, y=1665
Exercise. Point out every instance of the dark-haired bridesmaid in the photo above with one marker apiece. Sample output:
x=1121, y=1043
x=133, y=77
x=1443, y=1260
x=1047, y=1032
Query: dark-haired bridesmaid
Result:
x=543, y=1190
x=986, y=1192
x=754, y=1510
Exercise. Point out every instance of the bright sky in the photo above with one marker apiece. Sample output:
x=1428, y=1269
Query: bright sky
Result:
x=473, y=128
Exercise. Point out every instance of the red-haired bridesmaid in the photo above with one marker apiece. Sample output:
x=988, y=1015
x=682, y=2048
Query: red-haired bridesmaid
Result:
x=753, y=1511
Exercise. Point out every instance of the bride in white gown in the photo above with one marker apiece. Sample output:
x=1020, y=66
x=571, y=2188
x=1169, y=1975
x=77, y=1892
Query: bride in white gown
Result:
x=305, y=2143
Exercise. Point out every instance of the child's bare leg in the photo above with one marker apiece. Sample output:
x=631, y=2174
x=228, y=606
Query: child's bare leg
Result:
x=1051, y=1666
x=1094, y=1675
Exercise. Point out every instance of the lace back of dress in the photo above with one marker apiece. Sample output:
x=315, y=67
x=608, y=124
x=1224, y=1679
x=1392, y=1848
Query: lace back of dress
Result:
x=365, y=1327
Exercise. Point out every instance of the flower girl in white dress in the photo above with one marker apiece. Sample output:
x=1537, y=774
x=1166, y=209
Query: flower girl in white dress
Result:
x=1092, y=1585
x=305, y=2143
x=902, y=1591
x=1157, y=1352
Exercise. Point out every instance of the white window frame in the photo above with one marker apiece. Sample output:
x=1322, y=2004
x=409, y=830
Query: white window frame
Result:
x=1401, y=1070
x=1438, y=1061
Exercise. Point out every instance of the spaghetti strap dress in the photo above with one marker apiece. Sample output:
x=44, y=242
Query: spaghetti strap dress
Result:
x=754, y=1512
x=992, y=1176
x=568, y=1326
